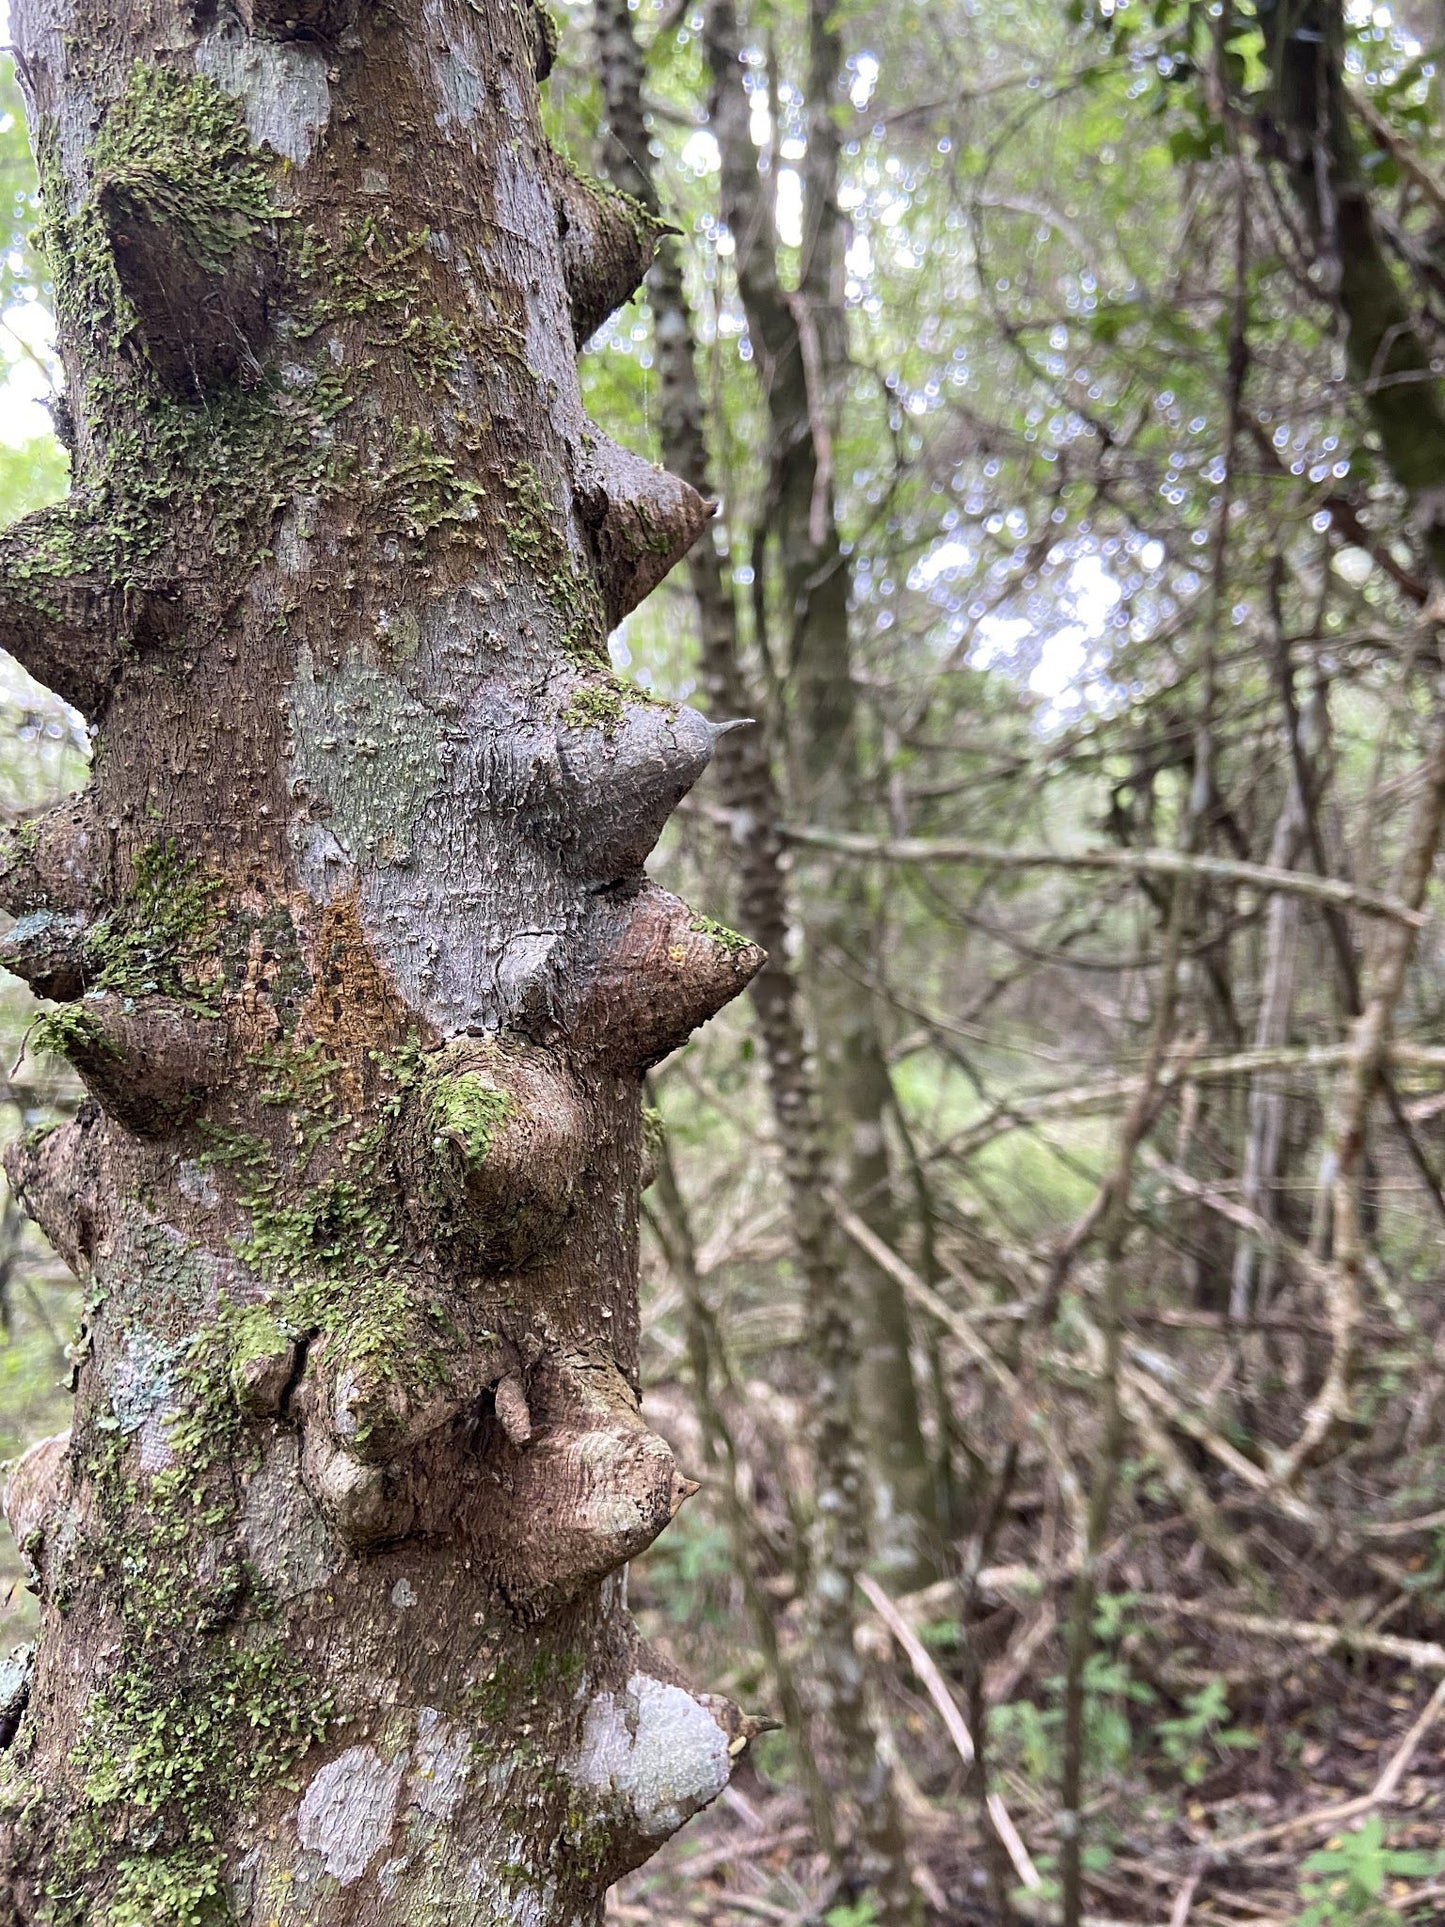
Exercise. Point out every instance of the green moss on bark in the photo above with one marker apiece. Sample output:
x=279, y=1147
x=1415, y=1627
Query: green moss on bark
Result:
x=466, y=1110
x=161, y=937
x=69, y=1032
x=175, y=148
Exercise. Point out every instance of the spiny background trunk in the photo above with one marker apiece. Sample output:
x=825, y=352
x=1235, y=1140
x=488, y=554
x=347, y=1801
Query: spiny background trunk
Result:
x=800, y=348
x=359, y=967
x=850, y=1792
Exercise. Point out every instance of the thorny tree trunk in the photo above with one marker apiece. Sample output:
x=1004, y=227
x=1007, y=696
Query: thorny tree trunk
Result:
x=361, y=972
x=848, y=1744
x=800, y=347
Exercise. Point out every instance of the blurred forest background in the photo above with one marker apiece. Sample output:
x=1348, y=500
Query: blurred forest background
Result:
x=1042, y=1270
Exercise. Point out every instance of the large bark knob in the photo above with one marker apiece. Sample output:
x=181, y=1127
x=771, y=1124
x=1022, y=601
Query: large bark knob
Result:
x=493, y=1143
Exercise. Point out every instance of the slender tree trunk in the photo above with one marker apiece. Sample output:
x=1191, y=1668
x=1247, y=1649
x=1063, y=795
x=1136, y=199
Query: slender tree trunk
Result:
x=800, y=347
x=361, y=972
x=847, y=1741
x=1254, y=1263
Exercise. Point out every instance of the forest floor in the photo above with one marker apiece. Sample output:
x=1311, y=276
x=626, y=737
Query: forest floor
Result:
x=1256, y=1761
x=1312, y=1839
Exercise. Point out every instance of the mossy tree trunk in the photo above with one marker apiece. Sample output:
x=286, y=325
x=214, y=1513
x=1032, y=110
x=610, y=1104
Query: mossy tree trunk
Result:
x=355, y=957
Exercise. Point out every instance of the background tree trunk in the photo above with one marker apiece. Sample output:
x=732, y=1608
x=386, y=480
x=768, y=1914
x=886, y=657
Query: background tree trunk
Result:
x=361, y=972
x=854, y=1814
x=800, y=349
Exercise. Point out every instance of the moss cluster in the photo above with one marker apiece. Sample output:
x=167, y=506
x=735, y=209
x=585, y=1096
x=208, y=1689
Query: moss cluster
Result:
x=146, y=154
x=204, y=1707
x=329, y=1242
x=173, y=1736
x=537, y=537
x=161, y=934
x=595, y=706
x=732, y=940
x=365, y=276
x=466, y=1110
x=181, y=146
x=69, y=1031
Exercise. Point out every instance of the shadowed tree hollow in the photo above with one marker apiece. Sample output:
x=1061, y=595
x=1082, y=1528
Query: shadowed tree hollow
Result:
x=354, y=954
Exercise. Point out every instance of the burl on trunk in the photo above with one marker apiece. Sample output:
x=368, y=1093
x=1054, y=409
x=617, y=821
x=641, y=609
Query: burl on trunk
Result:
x=356, y=959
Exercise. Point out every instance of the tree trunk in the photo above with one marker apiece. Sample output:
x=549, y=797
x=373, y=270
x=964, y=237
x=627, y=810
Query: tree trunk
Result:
x=800, y=347
x=859, y=1825
x=361, y=972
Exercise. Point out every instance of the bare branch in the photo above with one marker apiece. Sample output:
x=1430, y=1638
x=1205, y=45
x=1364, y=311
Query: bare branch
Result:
x=1162, y=863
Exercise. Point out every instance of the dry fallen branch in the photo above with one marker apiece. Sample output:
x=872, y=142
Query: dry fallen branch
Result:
x=1424, y=1654
x=1341, y=1811
x=938, y=1691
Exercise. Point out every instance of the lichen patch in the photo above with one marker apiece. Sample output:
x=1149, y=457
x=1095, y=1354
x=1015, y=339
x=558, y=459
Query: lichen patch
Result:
x=439, y=1765
x=347, y=1812
x=281, y=85
x=655, y=1746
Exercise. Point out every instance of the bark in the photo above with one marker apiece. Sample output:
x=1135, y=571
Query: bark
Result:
x=868, y=1819
x=1389, y=359
x=361, y=972
x=799, y=340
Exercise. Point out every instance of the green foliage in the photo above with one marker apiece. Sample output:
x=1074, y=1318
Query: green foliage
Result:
x=69, y=1031
x=691, y=1568
x=1115, y=1708
x=862, y=1912
x=1347, y=1882
x=1193, y=1741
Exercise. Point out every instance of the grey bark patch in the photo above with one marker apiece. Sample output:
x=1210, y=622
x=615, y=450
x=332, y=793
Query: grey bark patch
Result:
x=370, y=752
x=287, y=1539
x=347, y=1812
x=426, y=808
x=457, y=67
x=388, y=1876
x=281, y=85
x=193, y=1181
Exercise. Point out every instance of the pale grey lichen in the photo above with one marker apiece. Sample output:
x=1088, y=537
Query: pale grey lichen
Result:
x=657, y=1748
x=347, y=1812
x=281, y=85
x=440, y=1765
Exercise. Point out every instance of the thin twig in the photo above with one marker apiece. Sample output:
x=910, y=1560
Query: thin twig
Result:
x=1342, y=1811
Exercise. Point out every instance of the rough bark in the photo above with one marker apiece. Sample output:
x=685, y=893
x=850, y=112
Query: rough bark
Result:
x=1389, y=359
x=361, y=973
x=800, y=347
